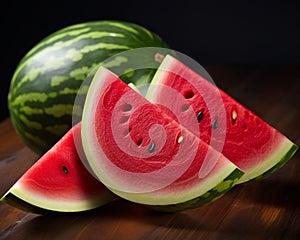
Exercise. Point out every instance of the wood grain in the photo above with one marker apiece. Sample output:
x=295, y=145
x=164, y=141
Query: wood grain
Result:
x=265, y=209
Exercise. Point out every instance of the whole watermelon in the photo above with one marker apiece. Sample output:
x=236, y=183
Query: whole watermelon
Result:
x=47, y=79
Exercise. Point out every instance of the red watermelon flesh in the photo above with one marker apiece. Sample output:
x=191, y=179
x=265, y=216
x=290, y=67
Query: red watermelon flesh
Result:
x=250, y=143
x=58, y=181
x=143, y=155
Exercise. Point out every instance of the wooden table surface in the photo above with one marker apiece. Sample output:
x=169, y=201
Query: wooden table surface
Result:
x=265, y=209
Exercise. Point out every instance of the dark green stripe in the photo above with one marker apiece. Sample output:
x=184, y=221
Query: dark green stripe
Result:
x=208, y=197
x=14, y=201
x=279, y=164
x=56, y=60
x=128, y=29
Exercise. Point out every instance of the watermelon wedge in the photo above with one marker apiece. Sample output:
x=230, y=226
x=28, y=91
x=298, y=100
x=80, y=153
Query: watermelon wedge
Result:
x=58, y=182
x=246, y=140
x=143, y=155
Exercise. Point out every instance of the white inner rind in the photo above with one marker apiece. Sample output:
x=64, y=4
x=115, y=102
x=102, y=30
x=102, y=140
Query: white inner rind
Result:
x=57, y=204
x=177, y=197
x=269, y=162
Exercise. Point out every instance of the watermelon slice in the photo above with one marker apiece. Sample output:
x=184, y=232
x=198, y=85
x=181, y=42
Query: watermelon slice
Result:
x=250, y=143
x=143, y=155
x=58, y=181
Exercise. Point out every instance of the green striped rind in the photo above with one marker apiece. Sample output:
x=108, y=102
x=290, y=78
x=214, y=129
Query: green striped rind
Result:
x=19, y=203
x=47, y=79
x=210, y=196
x=280, y=164
x=279, y=157
x=209, y=190
x=20, y=197
x=16, y=202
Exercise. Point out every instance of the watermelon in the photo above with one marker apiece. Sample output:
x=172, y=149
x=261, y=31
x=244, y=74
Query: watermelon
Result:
x=254, y=146
x=143, y=155
x=58, y=182
x=46, y=81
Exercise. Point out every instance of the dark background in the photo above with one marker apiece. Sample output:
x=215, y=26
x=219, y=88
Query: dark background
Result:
x=211, y=32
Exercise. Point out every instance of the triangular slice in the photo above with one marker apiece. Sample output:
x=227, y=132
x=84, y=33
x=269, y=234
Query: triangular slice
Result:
x=245, y=139
x=58, y=182
x=143, y=155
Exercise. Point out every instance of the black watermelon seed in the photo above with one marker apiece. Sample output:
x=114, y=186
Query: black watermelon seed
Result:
x=215, y=124
x=151, y=147
x=65, y=169
x=199, y=116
